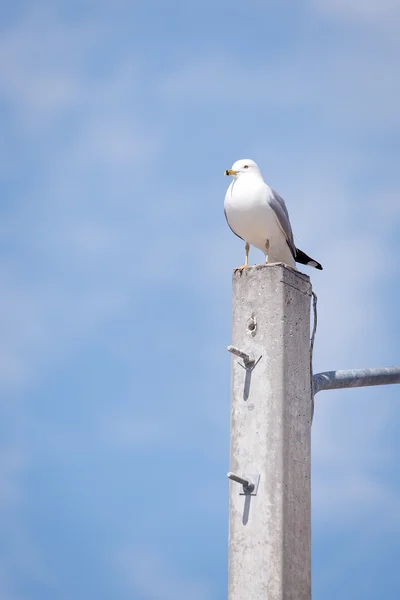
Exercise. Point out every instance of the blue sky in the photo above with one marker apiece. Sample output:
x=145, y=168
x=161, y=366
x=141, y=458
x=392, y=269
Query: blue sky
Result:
x=118, y=120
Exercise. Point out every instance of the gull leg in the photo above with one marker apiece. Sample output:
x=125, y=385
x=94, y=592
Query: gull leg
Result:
x=266, y=251
x=246, y=264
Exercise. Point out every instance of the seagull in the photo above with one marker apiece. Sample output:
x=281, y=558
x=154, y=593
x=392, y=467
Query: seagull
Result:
x=258, y=215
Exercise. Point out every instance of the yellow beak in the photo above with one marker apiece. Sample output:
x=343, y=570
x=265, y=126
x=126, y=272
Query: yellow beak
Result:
x=230, y=172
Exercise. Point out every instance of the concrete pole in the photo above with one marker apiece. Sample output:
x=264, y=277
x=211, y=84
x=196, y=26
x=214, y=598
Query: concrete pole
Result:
x=269, y=520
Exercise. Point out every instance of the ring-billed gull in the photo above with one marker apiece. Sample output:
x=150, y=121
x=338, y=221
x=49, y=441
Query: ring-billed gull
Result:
x=258, y=215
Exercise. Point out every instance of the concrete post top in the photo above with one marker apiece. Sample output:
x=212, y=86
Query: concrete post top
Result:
x=273, y=271
x=272, y=267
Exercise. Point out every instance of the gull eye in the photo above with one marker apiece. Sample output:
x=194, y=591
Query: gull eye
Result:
x=246, y=167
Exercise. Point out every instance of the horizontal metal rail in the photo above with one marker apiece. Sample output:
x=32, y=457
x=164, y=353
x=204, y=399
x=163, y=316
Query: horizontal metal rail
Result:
x=333, y=380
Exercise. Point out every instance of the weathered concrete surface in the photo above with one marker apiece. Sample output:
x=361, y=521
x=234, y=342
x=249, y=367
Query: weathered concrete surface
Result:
x=269, y=534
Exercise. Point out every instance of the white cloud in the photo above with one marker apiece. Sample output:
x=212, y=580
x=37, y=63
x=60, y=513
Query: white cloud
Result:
x=23, y=331
x=22, y=558
x=12, y=461
x=19, y=554
x=136, y=431
x=47, y=80
x=209, y=80
x=352, y=87
x=154, y=577
x=57, y=230
x=360, y=10
x=39, y=75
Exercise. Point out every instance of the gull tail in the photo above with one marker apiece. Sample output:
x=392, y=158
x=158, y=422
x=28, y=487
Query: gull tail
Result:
x=303, y=259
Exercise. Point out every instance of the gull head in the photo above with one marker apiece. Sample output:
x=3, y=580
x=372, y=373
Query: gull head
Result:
x=243, y=166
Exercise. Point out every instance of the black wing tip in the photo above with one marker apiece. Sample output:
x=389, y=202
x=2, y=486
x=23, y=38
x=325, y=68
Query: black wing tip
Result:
x=304, y=259
x=315, y=264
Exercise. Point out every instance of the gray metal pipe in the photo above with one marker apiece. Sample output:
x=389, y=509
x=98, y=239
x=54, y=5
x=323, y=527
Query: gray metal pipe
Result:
x=333, y=380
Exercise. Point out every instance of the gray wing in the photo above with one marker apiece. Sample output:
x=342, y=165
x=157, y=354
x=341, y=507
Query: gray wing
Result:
x=278, y=205
x=230, y=226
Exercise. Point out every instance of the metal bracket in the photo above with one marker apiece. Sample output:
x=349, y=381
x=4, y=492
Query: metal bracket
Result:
x=248, y=359
x=249, y=483
x=251, y=366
